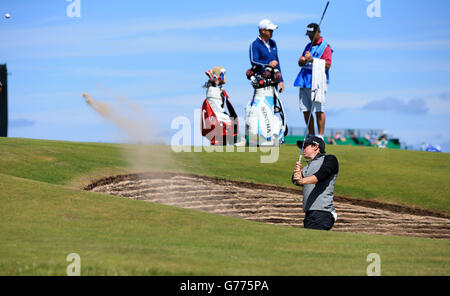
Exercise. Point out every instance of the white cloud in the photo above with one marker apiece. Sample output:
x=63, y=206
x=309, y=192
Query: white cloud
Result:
x=412, y=107
x=235, y=20
x=86, y=35
x=438, y=106
x=298, y=42
x=429, y=98
x=121, y=73
x=142, y=37
x=20, y=122
x=390, y=45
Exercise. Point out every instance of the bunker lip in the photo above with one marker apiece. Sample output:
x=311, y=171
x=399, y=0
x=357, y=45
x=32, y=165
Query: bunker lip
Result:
x=271, y=204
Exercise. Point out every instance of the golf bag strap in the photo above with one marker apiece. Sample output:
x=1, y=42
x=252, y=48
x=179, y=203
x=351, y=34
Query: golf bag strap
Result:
x=224, y=94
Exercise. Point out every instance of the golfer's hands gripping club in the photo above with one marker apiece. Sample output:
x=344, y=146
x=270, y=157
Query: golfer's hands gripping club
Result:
x=298, y=173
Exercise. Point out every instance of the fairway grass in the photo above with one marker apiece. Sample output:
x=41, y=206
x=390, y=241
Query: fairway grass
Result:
x=42, y=223
x=410, y=178
x=45, y=216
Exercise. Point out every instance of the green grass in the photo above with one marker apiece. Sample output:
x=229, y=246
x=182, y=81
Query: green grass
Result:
x=411, y=178
x=45, y=216
x=42, y=223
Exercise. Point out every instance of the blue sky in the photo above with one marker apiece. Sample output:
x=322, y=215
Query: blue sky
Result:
x=390, y=72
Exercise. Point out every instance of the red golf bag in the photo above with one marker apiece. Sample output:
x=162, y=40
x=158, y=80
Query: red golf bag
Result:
x=219, y=126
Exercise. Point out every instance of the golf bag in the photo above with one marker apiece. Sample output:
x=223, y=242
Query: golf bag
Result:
x=218, y=126
x=265, y=121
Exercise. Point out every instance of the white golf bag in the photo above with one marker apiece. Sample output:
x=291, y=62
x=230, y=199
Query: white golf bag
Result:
x=265, y=121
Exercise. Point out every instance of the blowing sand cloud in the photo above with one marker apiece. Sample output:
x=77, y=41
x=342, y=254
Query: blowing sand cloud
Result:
x=140, y=131
x=414, y=106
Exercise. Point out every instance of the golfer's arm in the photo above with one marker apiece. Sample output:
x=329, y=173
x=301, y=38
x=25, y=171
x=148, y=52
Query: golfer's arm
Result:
x=310, y=180
x=329, y=167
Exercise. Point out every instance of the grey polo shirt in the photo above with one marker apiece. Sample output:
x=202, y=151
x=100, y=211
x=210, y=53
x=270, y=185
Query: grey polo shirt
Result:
x=319, y=197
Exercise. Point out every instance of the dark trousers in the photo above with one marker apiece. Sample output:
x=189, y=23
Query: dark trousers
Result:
x=320, y=220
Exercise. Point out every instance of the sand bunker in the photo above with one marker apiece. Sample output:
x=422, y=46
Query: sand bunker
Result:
x=272, y=204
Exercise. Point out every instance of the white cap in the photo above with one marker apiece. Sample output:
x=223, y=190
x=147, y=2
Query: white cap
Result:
x=267, y=25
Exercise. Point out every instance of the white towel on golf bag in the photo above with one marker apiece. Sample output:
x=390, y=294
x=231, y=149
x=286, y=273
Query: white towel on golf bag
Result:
x=214, y=97
x=319, y=81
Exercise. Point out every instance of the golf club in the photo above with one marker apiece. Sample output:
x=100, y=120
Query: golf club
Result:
x=320, y=23
x=314, y=99
x=307, y=128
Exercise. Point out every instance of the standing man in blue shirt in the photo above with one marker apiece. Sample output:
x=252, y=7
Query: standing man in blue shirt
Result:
x=263, y=51
x=320, y=50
